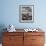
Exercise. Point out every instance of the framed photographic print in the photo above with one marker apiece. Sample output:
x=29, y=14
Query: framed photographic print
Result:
x=26, y=13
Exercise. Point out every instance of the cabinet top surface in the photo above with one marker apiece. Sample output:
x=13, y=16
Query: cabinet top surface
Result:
x=22, y=30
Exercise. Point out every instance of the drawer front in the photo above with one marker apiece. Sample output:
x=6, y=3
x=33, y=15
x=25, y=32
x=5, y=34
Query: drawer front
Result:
x=8, y=45
x=37, y=44
x=12, y=39
x=37, y=39
x=12, y=44
x=33, y=40
x=34, y=33
x=13, y=33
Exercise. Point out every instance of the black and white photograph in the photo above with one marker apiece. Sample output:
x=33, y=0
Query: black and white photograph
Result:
x=26, y=13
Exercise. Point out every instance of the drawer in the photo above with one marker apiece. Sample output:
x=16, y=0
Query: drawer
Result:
x=8, y=45
x=18, y=44
x=13, y=41
x=13, y=33
x=34, y=33
x=34, y=39
x=12, y=37
x=37, y=39
x=37, y=44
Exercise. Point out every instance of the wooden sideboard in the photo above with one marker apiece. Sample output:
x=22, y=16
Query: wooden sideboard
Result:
x=23, y=39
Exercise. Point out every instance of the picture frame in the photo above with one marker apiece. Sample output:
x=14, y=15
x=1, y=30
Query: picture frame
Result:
x=26, y=13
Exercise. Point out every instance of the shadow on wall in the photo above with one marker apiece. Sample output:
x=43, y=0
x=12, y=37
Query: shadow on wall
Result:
x=2, y=26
